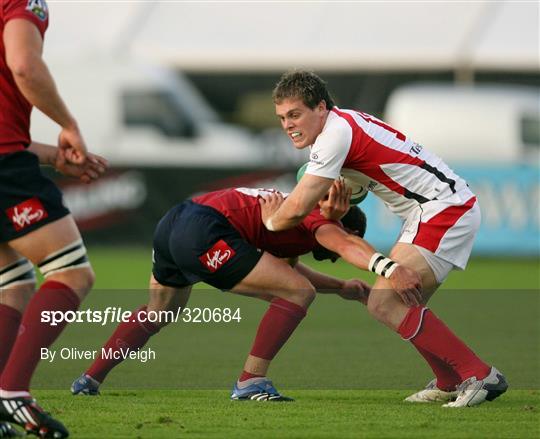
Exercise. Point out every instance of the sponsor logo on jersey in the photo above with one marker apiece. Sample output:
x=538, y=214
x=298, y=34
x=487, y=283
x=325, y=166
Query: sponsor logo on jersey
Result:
x=416, y=148
x=217, y=256
x=314, y=158
x=38, y=8
x=26, y=213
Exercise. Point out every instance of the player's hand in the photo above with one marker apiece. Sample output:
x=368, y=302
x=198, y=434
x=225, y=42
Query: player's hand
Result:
x=408, y=284
x=72, y=143
x=270, y=204
x=336, y=204
x=355, y=289
x=93, y=167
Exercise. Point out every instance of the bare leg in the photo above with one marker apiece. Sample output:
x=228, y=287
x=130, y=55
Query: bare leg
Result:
x=133, y=334
x=62, y=291
x=273, y=277
x=39, y=244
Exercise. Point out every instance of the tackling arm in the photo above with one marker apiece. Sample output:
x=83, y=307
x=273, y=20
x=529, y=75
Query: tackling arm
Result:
x=351, y=248
x=287, y=214
x=352, y=289
x=405, y=282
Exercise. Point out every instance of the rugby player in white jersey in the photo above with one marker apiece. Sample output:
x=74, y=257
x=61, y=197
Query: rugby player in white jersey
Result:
x=440, y=219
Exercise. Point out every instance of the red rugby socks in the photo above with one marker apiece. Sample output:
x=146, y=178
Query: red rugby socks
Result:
x=425, y=331
x=275, y=328
x=10, y=319
x=35, y=334
x=131, y=335
x=447, y=379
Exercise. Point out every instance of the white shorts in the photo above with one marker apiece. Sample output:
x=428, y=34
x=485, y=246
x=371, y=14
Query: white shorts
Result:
x=445, y=230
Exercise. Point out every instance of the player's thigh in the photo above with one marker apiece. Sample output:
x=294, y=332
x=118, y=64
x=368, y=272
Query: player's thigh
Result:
x=17, y=279
x=409, y=256
x=275, y=277
x=51, y=239
x=40, y=243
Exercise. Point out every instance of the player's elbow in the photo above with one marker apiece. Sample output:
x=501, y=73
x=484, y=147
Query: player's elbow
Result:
x=22, y=66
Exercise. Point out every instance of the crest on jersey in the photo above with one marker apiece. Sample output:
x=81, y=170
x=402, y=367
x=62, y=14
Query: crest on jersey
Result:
x=38, y=8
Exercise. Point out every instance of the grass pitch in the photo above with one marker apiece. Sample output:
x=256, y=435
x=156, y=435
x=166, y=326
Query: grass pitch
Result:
x=315, y=414
x=348, y=373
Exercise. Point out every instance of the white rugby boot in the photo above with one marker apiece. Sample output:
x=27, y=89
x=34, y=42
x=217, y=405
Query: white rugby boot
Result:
x=472, y=392
x=431, y=393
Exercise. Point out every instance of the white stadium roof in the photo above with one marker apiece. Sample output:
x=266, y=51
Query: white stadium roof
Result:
x=239, y=36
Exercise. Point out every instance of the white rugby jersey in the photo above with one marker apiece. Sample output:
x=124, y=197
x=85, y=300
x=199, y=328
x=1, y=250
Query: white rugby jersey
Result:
x=395, y=168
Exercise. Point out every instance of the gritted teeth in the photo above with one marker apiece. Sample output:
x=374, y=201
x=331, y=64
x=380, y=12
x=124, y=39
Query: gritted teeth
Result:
x=295, y=134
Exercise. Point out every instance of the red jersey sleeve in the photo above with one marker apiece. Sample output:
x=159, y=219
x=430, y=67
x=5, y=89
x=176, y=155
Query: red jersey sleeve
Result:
x=35, y=11
x=315, y=220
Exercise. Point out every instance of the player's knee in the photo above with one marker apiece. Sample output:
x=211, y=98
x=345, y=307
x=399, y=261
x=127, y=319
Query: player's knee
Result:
x=379, y=307
x=302, y=292
x=70, y=265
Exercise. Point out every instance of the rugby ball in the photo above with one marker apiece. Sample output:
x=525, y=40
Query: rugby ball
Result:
x=357, y=181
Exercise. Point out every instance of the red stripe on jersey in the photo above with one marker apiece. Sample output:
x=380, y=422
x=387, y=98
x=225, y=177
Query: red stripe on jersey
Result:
x=430, y=233
x=367, y=155
x=369, y=118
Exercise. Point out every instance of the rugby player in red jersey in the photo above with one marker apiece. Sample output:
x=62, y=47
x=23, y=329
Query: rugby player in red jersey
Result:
x=35, y=227
x=440, y=219
x=219, y=238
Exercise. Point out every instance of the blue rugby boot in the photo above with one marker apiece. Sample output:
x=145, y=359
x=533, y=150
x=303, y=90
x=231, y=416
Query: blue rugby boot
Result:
x=257, y=389
x=85, y=385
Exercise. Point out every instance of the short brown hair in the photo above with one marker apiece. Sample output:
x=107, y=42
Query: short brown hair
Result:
x=304, y=85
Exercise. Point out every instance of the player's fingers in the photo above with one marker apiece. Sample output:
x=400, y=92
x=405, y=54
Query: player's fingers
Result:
x=348, y=194
x=332, y=194
x=344, y=192
x=413, y=299
x=404, y=297
x=92, y=174
x=275, y=200
x=418, y=295
x=96, y=168
x=98, y=160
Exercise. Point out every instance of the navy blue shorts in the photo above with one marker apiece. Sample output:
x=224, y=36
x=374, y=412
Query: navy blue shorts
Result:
x=195, y=243
x=28, y=199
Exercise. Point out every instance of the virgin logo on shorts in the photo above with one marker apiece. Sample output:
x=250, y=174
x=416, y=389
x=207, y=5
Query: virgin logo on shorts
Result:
x=26, y=213
x=214, y=258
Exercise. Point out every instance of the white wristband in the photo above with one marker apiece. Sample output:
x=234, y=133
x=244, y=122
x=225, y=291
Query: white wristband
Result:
x=268, y=224
x=382, y=265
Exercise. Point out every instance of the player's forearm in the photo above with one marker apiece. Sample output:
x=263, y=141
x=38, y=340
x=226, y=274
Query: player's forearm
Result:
x=37, y=85
x=289, y=215
x=356, y=251
x=46, y=153
x=323, y=283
